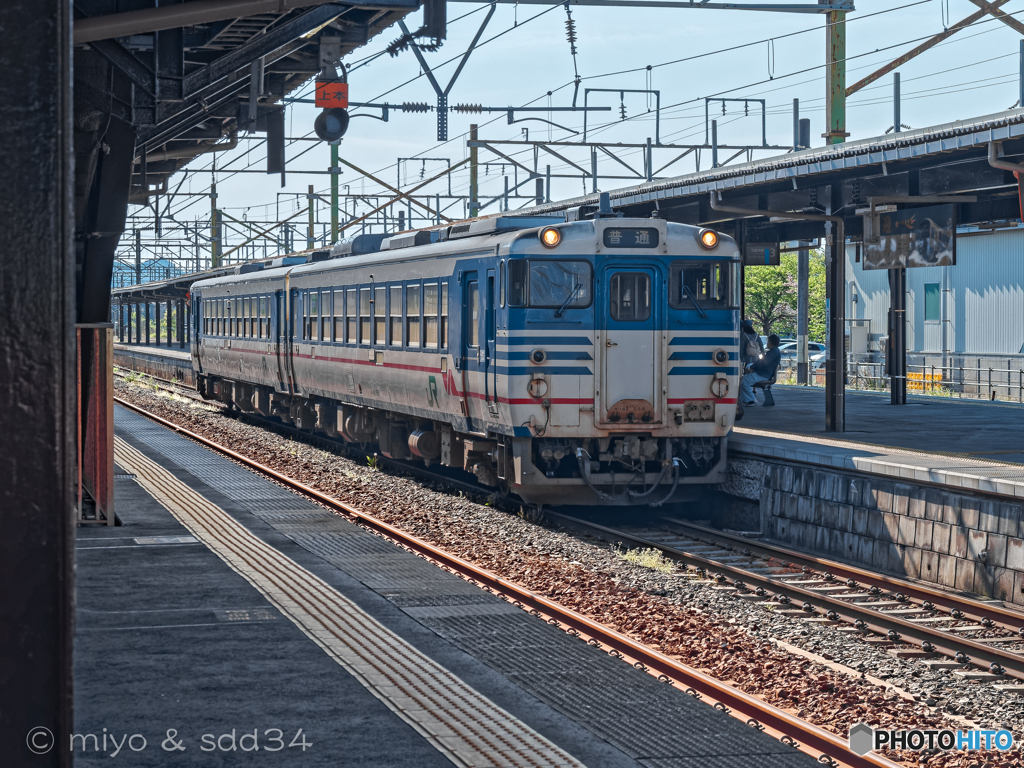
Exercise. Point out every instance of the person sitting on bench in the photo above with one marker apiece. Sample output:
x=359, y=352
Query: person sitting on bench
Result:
x=760, y=370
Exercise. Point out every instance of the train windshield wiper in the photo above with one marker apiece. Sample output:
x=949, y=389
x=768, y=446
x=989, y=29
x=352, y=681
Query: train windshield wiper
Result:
x=572, y=294
x=689, y=293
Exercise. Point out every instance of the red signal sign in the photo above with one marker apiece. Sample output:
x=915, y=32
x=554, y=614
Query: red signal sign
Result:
x=331, y=93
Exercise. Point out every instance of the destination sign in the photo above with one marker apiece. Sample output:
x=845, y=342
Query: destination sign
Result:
x=917, y=237
x=631, y=237
x=761, y=255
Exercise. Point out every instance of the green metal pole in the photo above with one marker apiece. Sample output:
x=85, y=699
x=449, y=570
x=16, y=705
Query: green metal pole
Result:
x=474, y=197
x=310, y=197
x=835, y=97
x=214, y=228
x=335, y=169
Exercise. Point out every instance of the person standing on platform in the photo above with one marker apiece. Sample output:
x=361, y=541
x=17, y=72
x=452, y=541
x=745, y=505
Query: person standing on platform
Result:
x=751, y=348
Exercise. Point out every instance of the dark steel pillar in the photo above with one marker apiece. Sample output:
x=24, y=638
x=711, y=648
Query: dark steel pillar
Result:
x=121, y=315
x=37, y=384
x=835, y=363
x=896, y=351
x=803, y=278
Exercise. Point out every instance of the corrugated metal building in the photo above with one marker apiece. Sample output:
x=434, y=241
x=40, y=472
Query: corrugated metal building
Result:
x=973, y=309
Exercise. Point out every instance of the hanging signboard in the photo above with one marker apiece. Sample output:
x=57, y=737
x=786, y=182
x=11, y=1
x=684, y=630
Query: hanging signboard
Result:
x=331, y=93
x=761, y=255
x=918, y=237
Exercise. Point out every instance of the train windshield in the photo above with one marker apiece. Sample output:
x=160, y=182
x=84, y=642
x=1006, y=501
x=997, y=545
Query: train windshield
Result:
x=552, y=284
x=710, y=284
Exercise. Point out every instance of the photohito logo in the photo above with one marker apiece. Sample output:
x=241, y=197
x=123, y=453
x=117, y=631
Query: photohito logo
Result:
x=40, y=740
x=864, y=738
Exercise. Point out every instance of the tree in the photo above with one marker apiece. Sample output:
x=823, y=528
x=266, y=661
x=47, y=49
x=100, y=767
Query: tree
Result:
x=771, y=296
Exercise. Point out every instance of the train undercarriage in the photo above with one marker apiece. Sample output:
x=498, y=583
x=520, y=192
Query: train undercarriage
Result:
x=616, y=469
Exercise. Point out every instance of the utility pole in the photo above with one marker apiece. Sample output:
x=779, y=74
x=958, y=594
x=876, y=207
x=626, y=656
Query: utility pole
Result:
x=335, y=170
x=474, y=197
x=310, y=200
x=214, y=228
x=835, y=96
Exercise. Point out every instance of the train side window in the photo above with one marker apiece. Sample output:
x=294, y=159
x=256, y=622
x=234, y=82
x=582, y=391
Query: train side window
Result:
x=444, y=315
x=232, y=317
x=518, y=273
x=313, y=321
x=325, y=316
x=264, y=317
x=501, y=283
x=380, y=298
x=395, y=322
x=364, y=316
x=351, y=315
x=339, y=317
x=258, y=303
x=412, y=313
x=430, y=307
x=246, y=315
x=473, y=313
x=629, y=296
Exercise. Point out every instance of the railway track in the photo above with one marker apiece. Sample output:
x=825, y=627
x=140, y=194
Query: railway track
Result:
x=935, y=623
x=852, y=599
x=826, y=747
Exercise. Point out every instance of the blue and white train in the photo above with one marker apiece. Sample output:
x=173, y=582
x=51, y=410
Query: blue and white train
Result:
x=590, y=359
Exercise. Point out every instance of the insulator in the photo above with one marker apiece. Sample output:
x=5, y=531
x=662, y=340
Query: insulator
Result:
x=415, y=106
x=622, y=111
x=570, y=33
x=468, y=109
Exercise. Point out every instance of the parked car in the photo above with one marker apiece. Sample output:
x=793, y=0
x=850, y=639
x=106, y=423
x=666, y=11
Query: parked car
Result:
x=788, y=349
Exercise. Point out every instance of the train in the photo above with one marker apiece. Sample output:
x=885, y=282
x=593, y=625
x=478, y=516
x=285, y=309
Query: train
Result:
x=579, y=359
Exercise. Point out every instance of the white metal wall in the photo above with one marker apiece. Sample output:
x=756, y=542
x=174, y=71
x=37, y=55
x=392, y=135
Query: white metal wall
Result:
x=982, y=298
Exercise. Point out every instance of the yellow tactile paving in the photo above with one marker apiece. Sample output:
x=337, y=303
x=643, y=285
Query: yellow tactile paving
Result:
x=465, y=726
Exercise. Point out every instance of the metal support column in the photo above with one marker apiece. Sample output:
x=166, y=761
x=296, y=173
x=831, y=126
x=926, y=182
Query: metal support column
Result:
x=714, y=143
x=803, y=277
x=474, y=194
x=796, y=125
x=896, y=352
x=593, y=168
x=835, y=362
x=335, y=170
x=37, y=384
x=147, y=323
x=835, y=78
x=310, y=203
x=215, y=243
x=138, y=257
x=895, y=102
x=121, y=316
x=181, y=324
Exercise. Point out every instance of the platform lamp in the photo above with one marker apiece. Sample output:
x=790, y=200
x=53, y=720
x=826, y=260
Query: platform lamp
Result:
x=331, y=92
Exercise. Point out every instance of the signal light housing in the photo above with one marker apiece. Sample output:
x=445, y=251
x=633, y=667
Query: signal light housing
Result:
x=550, y=237
x=331, y=124
x=708, y=239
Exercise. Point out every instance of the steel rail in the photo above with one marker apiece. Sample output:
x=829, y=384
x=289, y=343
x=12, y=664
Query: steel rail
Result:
x=873, y=620
x=759, y=714
x=972, y=609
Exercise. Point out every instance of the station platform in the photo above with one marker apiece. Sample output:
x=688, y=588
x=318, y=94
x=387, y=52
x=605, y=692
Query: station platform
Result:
x=959, y=444
x=226, y=606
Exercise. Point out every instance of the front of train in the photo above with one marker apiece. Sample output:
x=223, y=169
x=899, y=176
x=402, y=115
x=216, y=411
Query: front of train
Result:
x=630, y=333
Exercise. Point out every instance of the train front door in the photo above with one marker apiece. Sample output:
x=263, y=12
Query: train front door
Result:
x=631, y=357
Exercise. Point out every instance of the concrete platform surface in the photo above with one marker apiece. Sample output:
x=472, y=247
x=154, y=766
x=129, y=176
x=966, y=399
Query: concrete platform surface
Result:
x=962, y=444
x=174, y=633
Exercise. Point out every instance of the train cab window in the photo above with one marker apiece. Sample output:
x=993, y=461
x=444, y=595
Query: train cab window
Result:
x=444, y=315
x=380, y=297
x=473, y=313
x=501, y=283
x=548, y=283
x=430, y=306
x=412, y=313
x=395, y=316
x=339, y=316
x=629, y=296
x=313, y=316
x=351, y=316
x=711, y=284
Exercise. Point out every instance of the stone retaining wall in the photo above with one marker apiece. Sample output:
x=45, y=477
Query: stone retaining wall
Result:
x=966, y=542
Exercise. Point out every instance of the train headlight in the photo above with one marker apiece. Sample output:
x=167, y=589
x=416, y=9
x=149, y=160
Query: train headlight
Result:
x=550, y=237
x=538, y=356
x=708, y=238
x=721, y=357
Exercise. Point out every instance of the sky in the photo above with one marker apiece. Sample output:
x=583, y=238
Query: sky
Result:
x=524, y=59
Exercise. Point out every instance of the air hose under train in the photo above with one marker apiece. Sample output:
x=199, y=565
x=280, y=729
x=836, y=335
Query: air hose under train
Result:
x=676, y=464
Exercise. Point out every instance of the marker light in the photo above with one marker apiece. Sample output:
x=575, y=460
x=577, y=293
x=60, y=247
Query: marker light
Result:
x=550, y=237
x=708, y=238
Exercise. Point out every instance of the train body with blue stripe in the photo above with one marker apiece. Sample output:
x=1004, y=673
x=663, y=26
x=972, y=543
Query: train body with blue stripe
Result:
x=592, y=361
